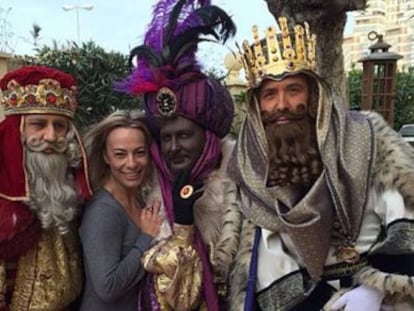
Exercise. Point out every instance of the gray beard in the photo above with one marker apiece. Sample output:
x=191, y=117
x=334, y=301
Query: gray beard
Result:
x=52, y=192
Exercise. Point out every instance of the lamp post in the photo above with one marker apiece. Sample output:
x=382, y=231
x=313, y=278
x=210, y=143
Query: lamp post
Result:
x=77, y=7
x=379, y=78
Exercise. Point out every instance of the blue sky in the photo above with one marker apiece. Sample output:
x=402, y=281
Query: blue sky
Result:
x=113, y=24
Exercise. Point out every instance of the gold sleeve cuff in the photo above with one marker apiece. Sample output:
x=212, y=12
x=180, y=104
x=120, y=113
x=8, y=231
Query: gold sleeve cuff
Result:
x=177, y=270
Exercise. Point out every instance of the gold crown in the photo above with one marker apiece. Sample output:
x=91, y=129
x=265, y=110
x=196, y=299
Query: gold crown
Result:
x=45, y=97
x=276, y=54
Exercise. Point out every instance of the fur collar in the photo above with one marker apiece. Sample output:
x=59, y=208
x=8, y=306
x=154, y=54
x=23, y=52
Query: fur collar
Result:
x=210, y=208
x=394, y=165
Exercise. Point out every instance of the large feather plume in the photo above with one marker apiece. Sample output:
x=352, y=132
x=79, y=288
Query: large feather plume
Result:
x=167, y=56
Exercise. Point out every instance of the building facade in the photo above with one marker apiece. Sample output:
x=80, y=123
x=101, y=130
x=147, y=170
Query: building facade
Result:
x=394, y=19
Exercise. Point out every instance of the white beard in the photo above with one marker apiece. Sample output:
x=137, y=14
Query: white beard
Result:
x=53, y=197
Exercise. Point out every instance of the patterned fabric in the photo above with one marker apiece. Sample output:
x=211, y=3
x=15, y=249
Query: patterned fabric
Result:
x=283, y=294
x=49, y=277
x=177, y=270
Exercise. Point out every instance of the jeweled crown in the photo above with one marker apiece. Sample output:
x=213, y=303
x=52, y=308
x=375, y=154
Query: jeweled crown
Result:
x=47, y=96
x=276, y=54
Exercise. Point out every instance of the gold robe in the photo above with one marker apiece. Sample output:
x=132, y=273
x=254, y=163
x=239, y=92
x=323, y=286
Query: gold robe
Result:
x=49, y=276
x=177, y=270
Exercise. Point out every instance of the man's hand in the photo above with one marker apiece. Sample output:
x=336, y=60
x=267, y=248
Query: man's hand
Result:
x=360, y=298
x=184, y=196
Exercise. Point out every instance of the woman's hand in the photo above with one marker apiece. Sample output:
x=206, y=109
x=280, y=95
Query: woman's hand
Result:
x=150, y=220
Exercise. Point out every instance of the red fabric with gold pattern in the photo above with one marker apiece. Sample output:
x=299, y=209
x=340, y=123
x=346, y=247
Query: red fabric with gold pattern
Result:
x=37, y=89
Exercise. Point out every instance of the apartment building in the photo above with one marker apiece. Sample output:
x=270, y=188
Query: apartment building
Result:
x=394, y=19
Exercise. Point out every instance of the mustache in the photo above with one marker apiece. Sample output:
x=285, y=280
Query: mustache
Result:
x=37, y=145
x=271, y=117
x=175, y=154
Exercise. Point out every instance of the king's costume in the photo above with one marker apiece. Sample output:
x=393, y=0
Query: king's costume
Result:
x=40, y=269
x=354, y=225
x=189, y=265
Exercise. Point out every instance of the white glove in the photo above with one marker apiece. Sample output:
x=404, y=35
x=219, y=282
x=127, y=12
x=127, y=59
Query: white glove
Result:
x=360, y=298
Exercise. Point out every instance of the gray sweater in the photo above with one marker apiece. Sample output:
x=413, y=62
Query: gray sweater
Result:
x=112, y=249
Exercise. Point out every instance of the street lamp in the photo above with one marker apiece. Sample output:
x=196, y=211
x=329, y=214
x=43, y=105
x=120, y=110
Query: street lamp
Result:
x=379, y=78
x=77, y=7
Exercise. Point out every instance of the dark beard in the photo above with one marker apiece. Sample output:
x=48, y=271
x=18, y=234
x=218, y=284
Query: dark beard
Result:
x=293, y=154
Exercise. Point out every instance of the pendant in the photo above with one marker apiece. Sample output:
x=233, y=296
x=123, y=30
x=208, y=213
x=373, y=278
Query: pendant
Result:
x=347, y=254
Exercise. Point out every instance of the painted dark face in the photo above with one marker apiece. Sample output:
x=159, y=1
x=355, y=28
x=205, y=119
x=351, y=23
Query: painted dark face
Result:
x=182, y=142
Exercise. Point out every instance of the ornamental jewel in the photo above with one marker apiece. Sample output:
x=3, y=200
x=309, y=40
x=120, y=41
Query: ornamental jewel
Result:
x=166, y=101
x=45, y=97
x=186, y=191
x=347, y=254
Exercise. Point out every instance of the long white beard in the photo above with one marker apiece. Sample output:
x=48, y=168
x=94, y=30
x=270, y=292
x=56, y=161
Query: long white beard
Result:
x=53, y=195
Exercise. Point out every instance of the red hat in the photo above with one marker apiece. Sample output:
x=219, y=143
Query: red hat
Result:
x=36, y=89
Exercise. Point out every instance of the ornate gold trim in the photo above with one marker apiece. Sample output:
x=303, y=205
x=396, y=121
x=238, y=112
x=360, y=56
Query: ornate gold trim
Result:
x=47, y=96
x=276, y=54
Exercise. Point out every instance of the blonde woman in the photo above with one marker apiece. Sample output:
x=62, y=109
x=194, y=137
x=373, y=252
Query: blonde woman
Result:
x=118, y=225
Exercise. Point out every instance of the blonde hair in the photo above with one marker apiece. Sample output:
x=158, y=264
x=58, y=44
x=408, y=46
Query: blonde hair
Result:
x=95, y=143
